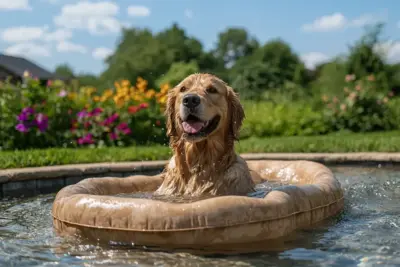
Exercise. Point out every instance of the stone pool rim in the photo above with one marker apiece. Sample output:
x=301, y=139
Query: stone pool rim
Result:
x=33, y=181
x=51, y=172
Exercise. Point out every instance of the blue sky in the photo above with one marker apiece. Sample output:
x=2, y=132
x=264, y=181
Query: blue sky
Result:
x=82, y=33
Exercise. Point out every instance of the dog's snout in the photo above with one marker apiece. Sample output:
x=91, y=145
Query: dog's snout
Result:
x=191, y=100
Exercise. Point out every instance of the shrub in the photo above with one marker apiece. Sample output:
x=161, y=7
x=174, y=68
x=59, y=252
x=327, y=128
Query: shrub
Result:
x=364, y=107
x=287, y=119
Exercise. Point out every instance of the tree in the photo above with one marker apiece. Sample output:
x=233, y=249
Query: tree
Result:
x=254, y=78
x=279, y=55
x=177, y=72
x=233, y=44
x=364, y=58
x=138, y=53
x=142, y=53
x=64, y=70
x=178, y=46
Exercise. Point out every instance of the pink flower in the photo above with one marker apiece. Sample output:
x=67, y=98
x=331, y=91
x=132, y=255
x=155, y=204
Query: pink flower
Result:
x=350, y=77
x=124, y=128
x=62, y=93
x=110, y=119
x=113, y=136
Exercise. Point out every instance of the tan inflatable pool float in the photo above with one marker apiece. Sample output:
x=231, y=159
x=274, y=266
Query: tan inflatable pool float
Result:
x=91, y=209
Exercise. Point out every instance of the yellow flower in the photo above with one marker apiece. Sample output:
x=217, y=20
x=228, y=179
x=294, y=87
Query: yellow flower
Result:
x=150, y=93
x=138, y=97
x=162, y=99
x=96, y=98
x=72, y=95
x=125, y=83
x=108, y=93
x=164, y=88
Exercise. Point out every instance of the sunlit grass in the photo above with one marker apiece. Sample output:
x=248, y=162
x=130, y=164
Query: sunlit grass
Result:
x=371, y=142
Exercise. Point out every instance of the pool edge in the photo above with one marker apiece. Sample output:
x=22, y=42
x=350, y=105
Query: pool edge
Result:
x=42, y=180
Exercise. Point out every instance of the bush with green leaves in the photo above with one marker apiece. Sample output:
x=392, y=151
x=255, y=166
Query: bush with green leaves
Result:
x=265, y=119
x=364, y=107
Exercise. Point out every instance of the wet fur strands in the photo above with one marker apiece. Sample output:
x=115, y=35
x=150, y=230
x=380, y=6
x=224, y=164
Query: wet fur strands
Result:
x=204, y=116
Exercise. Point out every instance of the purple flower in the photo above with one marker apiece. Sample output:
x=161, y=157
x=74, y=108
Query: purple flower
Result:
x=95, y=112
x=42, y=122
x=82, y=114
x=23, y=116
x=22, y=128
x=87, y=139
x=27, y=111
x=111, y=119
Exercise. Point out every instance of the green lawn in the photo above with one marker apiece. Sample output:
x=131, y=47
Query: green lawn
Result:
x=372, y=142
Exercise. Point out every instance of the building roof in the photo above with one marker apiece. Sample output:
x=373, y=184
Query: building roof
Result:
x=17, y=66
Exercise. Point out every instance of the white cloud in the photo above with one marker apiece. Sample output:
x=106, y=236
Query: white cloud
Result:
x=95, y=17
x=338, y=21
x=312, y=59
x=15, y=5
x=28, y=49
x=327, y=23
x=138, y=11
x=66, y=46
x=101, y=53
x=22, y=34
x=391, y=51
x=25, y=34
x=58, y=35
x=188, y=13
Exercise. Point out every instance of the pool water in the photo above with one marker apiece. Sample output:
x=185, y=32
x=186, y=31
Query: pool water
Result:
x=367, y=233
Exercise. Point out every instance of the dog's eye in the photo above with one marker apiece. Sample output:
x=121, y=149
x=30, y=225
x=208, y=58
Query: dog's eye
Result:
x=183, y=89
x=212, y=90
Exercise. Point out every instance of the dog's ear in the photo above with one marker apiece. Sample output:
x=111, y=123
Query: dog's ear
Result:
x=236, y=114
x=170, y=113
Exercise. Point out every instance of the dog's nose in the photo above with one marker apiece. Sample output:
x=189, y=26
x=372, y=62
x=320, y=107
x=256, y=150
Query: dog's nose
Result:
x=191, y=100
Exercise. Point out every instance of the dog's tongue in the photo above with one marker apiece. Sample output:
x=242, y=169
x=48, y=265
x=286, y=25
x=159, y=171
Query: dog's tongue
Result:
x=192, y=127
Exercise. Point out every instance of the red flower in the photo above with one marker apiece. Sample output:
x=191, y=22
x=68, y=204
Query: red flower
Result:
x=133, y=109
x=143, y=105
x=158, y=122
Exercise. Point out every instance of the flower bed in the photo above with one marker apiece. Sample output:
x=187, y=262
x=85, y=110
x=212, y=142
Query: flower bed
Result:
x=57, y=115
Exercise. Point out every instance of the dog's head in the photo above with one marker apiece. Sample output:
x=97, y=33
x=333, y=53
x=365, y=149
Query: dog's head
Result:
x=202, y=106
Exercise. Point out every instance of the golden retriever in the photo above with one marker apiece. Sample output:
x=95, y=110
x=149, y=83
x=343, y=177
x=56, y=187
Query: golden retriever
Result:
x=204, y=116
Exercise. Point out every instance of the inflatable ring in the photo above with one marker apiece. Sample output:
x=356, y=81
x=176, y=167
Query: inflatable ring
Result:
x=90, y=209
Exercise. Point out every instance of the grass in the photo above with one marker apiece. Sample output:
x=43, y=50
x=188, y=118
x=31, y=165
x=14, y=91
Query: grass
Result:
x=371, y=142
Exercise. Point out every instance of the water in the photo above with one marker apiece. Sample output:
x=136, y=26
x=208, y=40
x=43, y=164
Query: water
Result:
x=367, y=233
